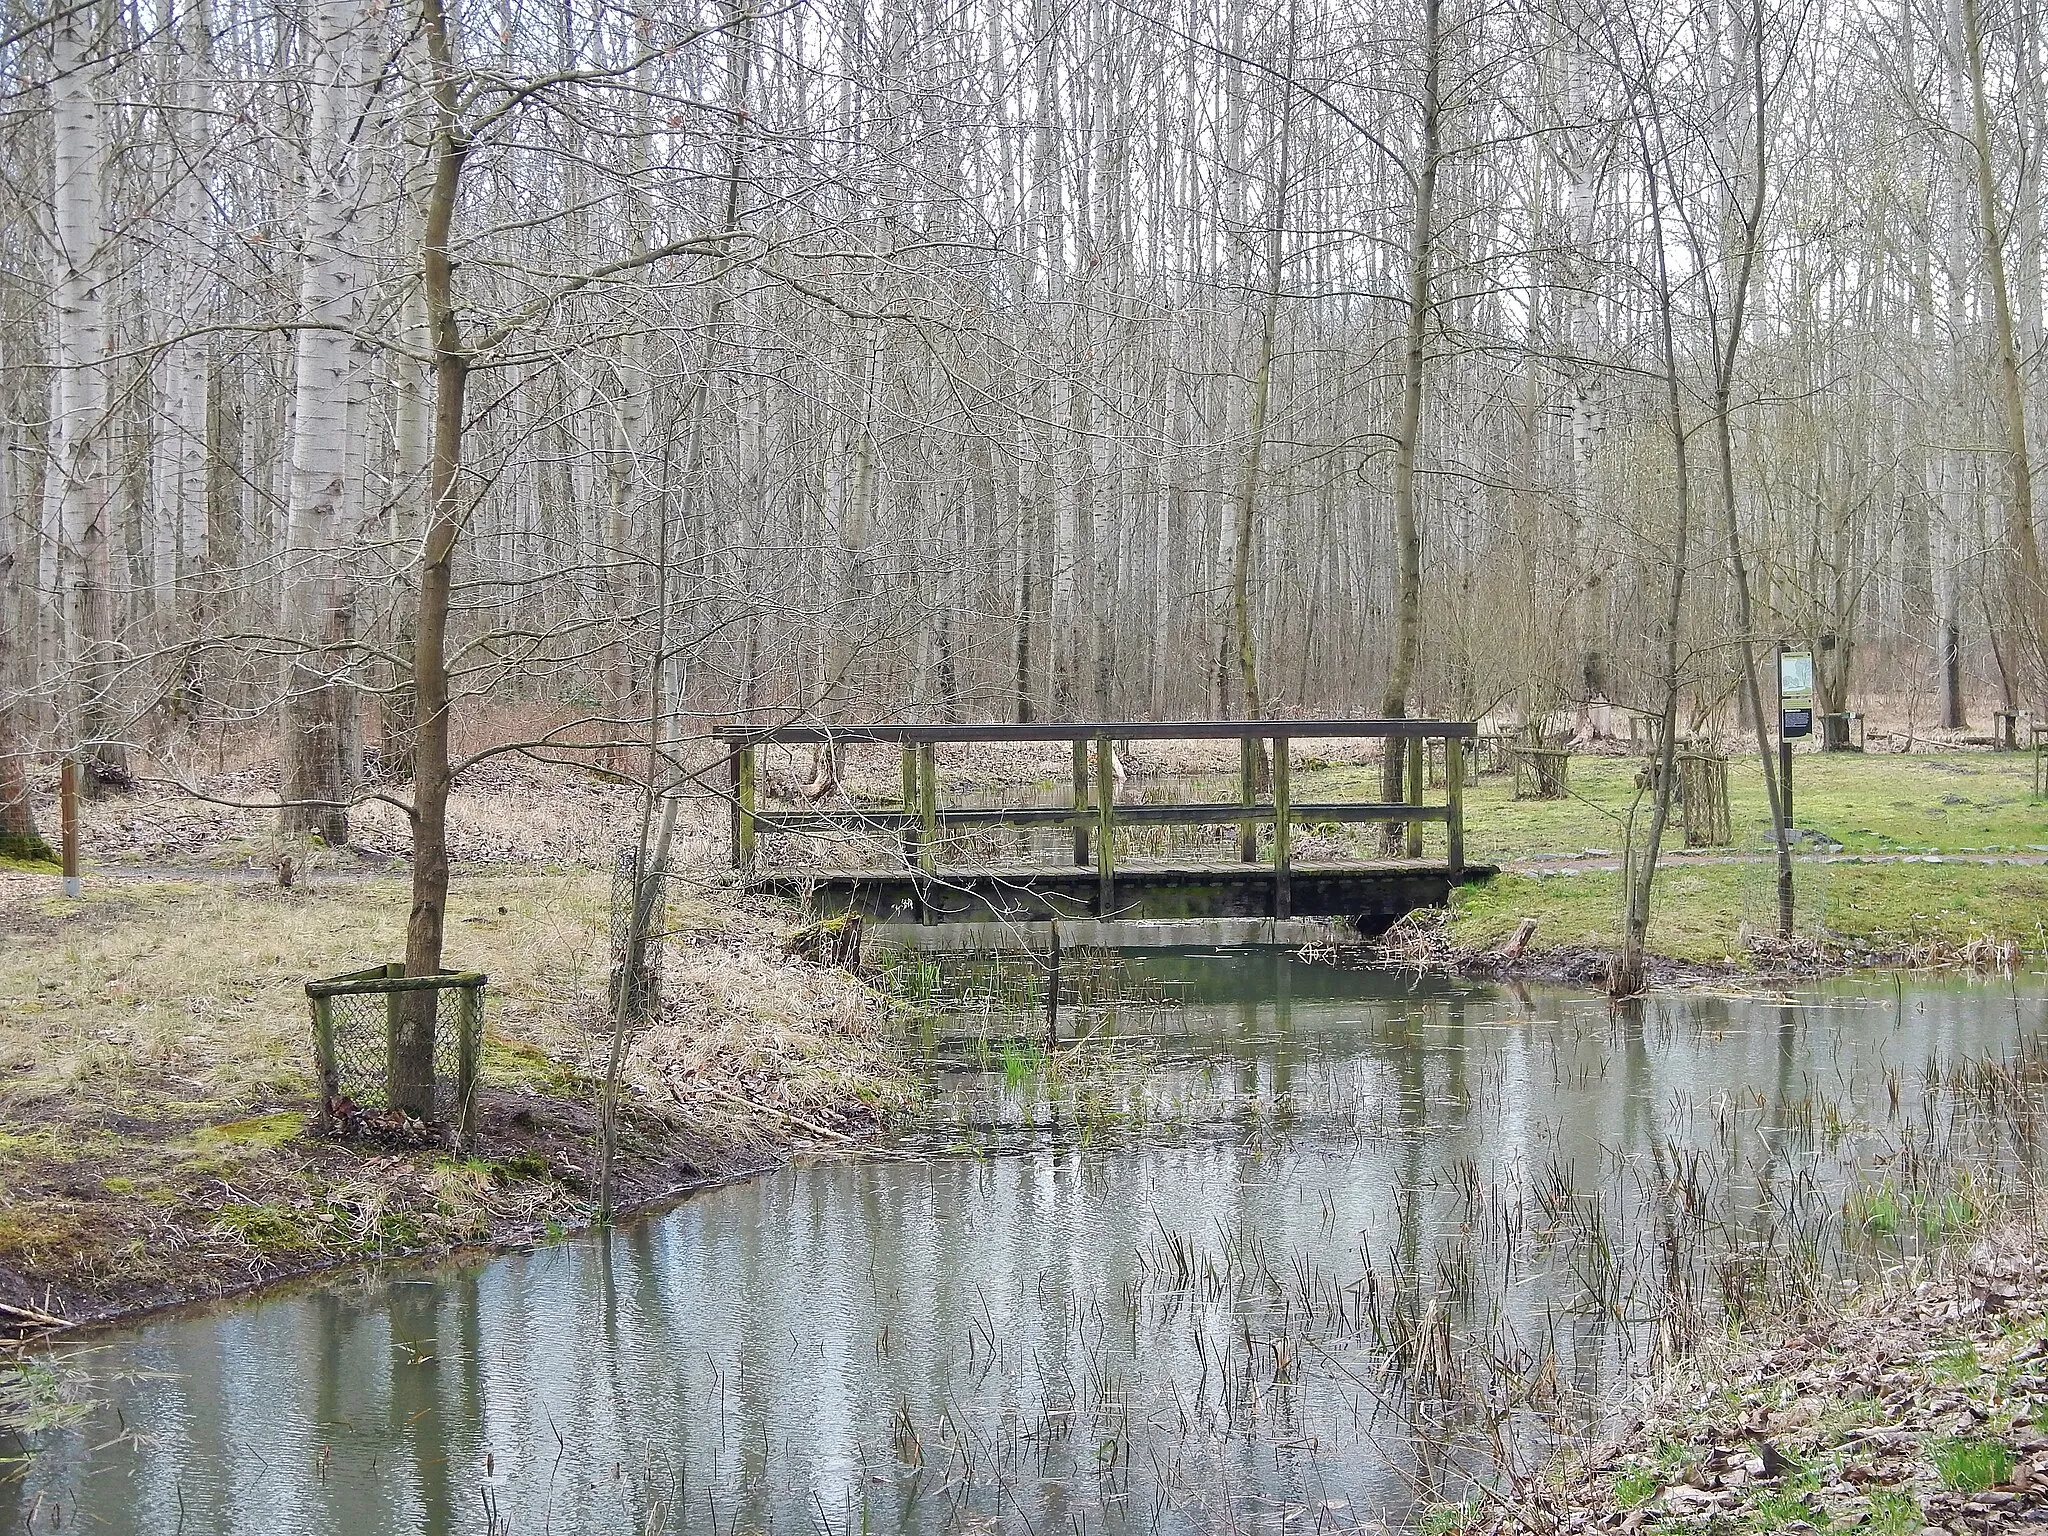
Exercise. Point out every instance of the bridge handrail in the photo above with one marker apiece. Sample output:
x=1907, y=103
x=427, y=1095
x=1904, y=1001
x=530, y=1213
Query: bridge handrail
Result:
x=809, y=735
x=1095, y=812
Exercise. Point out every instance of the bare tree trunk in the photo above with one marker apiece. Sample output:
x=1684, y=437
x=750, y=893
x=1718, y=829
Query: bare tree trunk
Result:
x=2028, y=593
x=84, y=489
x=1747, y=227
x=1408, y=432
x=18, y=836
x=412, y=1057
x=1262, y=394
x=1629, y=970
x=319, y=595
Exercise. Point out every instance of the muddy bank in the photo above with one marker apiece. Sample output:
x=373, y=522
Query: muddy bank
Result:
x=1428, y=941
x=1922, y=1406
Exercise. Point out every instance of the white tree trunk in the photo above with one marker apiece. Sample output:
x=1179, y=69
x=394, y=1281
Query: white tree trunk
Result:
x=319, y=598
x=82, y=489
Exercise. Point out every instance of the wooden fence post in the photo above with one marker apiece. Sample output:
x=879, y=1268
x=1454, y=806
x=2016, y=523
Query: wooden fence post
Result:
x=928, y=806
x=68, y=811
x=1247, y=790
x=1283, y=834
x=469, y=1040
x=1454, y=800
x=1105, y=827
x=911, y=804
x=1414, y=795
x=324, y=1063
x=743, y=840
x=1080, y=801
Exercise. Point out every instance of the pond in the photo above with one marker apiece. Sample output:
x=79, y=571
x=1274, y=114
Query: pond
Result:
x=1264, y=1245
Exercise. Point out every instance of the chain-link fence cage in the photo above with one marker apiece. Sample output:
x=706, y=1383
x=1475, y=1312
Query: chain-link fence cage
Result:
x=356, y=1023
x=642, y=997
x=1810, y=878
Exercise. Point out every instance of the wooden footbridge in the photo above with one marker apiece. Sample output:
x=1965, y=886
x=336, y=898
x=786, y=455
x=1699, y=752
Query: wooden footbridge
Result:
x=915, y=880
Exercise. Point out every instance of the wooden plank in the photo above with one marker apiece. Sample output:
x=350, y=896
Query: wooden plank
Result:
x=743, y=835
x=1454, y=803
x=928, y=832
x=910, y=804
x=1199, y=813
x=733, y=763
x=928, y=806
x=1127, y=730
x=1080, y=804
x=1283, y=833
x=1414, y=793
x=1105, y=831
x=1247, y=798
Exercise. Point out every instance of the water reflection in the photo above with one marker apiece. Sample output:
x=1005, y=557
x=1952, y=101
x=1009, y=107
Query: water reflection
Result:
x=1324, y=1244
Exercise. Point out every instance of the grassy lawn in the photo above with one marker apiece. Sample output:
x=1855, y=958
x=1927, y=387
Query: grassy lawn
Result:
x=1962, y=802
x=1698, y=911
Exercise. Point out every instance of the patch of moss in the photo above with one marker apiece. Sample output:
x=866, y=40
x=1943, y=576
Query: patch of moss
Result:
x=268, y=1227
x=256, y=1131
x=515, y=1064
x=30, y=1227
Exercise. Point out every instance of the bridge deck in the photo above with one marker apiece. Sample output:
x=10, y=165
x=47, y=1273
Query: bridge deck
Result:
x=1369, y=894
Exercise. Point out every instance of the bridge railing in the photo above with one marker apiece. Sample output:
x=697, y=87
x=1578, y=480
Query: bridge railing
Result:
x=1094, y=813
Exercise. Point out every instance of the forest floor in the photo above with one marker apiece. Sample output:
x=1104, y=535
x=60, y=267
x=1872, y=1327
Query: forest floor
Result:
x=1918, y=1409
x=156, y=1083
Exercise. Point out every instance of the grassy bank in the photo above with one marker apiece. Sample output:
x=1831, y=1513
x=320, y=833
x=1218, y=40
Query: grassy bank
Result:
x=1901, y=859
x=1707, y=914
x=156, y=1082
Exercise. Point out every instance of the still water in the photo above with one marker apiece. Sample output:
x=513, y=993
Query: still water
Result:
x=1282, y=1247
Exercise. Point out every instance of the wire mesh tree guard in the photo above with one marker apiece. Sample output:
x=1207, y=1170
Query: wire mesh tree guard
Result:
x=356, y=1020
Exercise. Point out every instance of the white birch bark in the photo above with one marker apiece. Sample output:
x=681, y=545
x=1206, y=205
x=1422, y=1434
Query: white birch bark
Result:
x=319, y=600
x=82, y=486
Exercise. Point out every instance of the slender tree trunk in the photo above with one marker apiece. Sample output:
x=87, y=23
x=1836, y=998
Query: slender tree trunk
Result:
x=412, y=1063
x=2028, y=595
x=1408, y=432
x=1255, y=452
x=84, y=488
x=319, y=596
x=1747, y=227
x=1641, y=875
x=18, y=836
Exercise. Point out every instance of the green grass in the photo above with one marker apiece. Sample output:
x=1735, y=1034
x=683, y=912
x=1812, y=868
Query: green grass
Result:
x=1635, y=1488
x=1970, y=1465
x=1447, y=1519
x=1697, y=910
x=1893, y=1513
x=1947, y=802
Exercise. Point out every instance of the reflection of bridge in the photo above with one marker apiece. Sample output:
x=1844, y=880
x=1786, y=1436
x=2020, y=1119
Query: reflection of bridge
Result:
x=916, y=881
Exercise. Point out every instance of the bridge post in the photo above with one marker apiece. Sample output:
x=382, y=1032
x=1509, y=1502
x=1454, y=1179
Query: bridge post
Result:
x=1080, y=801
x=1247, y=796
x=743, y=810
x=910, y=805
x=1283, y=834
x=1454, y=796
x=1414, y=795
x=1105, y=828
x=928, y=810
